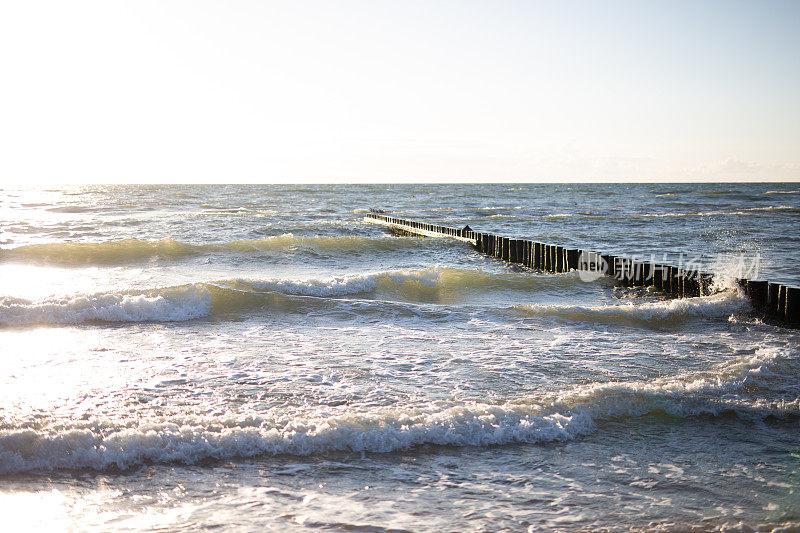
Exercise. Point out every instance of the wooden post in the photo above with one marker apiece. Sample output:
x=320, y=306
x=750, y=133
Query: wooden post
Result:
x=608, y=261
x=560, y=253
x=671, y=280
x=773, y=291
x=792, y=313
x=647, y=274
x=637, y=273
x=757, y=292
x=573, y=259
x=658, y=277
x=620, y=274
x=706, y=281
x=782, y=301
x=691, y=284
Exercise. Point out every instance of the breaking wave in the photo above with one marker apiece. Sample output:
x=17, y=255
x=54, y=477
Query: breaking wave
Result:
x=667, y=313
x=100, y=444
x=226, y=297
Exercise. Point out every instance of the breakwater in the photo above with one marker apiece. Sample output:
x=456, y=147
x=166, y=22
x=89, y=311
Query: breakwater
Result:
x=774, y=301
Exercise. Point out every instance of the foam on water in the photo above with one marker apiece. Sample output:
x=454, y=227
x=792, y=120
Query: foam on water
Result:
x=567, y=415
x=648, y=314
x=190, y=441
x=299, y=331
x=218, y=298
x=173, y=306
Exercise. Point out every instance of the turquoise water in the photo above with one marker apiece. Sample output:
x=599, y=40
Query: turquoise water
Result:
x=257, y=357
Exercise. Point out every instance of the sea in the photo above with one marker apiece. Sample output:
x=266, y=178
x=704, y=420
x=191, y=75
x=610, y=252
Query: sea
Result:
x=258, y=358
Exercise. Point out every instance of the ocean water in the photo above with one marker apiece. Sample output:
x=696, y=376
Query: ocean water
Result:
x=257, y=358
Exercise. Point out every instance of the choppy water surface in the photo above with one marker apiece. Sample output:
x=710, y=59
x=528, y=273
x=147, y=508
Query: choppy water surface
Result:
x=256, y=357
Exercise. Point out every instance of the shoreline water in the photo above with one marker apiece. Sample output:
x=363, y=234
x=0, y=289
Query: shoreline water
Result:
x=252, y=357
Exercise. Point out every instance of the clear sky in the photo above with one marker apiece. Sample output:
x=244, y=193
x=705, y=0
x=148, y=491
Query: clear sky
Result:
x=261, y=91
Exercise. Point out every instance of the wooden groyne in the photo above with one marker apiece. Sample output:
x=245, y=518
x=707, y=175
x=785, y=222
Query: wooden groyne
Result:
x=774, y=301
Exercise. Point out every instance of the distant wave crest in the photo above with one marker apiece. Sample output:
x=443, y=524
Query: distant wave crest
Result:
x=128, y=251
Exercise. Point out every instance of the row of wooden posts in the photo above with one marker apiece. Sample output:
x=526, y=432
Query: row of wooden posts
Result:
x=773, y=300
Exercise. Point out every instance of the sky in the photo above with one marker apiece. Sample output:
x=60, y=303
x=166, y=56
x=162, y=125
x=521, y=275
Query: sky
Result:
x=197, y=91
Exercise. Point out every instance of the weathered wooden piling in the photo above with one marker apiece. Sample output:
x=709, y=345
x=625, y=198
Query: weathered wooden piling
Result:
x=658, y=277
x=756, y=290
x=545, y=261
x=638, y=273
x=622, y=271
x=706, y=284
x=608, y=264
x=512, y=251
x=573, y=259
x=772, y=300
x=618, y=269
x=647, y=274
x=792, y=310
x=773, y=292
x=560, y=255
x=691, y=284
x=670, y=281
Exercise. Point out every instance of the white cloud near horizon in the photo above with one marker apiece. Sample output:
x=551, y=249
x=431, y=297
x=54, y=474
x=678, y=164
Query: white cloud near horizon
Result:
x=267, y=91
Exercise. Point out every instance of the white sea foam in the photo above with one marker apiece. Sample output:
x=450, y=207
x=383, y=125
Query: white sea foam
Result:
x=188, y=304
x=192, y=441
x=646, y=313
x=335, y=286
x=553, y=417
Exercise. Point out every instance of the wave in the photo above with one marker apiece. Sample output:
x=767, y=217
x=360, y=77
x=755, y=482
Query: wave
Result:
x=190, y=441
x=430, y=285
x=795, y=191
x=679, y=214
x=134, y=250
x=657, y=315
x=236, y=296
x=100, y=444
x=753, y=387
x=171, y=304
x=739, y=212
